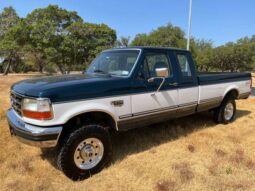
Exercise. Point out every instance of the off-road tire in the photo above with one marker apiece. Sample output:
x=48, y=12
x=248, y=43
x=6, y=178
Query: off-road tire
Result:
x=65, y=155
x=219, y=116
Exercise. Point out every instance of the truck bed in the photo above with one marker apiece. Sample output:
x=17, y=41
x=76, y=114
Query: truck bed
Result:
x=205, y=78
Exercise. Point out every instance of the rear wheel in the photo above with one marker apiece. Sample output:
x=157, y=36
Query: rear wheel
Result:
x=84, y=152
x=225, y=113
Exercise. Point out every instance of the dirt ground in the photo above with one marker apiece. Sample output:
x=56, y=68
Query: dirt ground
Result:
x=190, y=153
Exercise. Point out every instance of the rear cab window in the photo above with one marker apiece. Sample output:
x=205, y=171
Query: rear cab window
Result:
x=187, y=72
x=184, y=65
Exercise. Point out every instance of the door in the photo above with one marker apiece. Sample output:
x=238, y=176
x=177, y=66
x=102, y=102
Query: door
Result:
x=188, y=91
x=149, y=99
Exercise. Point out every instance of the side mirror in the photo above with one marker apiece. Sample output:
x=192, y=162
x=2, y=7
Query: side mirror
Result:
x=162, y=72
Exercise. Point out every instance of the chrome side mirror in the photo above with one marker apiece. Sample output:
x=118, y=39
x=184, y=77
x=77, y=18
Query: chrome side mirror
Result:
x=162, y=72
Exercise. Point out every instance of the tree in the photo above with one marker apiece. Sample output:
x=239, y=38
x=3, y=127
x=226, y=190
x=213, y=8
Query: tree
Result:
x=8, y=19
x=165, y=36
x=53, y=38
x=100, y=37
x=60, y=37
x=80, y=44
x=12, y=36
x=202, y=54
x=234, y=56
x=47, y=28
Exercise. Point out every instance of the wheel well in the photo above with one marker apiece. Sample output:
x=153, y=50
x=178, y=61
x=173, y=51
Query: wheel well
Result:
x=97, y=117
x=232, y=94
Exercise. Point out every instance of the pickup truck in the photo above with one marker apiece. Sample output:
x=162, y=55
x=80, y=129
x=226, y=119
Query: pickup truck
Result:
x=123, y=88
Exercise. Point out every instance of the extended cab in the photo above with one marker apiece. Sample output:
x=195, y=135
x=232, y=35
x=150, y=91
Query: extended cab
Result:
x=122, y=89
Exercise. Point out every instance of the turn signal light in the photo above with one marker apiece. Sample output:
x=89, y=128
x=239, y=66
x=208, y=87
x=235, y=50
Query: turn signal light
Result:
x=37, y=115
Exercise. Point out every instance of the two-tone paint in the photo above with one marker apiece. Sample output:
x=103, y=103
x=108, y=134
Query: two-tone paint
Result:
x=132, y=102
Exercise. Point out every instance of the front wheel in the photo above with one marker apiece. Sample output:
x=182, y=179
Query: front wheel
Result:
x=84, y=152
x=225, y=113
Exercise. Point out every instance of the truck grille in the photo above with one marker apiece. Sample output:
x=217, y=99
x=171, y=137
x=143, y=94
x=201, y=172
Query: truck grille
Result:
x=16, y=100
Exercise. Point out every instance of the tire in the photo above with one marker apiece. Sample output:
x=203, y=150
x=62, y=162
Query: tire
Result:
x=225, y=113
x=84, y=143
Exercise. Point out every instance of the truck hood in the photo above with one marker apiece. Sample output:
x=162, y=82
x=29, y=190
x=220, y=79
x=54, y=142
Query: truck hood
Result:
x=70, y=87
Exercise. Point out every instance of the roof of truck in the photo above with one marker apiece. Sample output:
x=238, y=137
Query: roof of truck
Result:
x=147, y=48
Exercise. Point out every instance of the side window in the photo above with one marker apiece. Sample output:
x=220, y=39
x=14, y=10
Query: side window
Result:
x=184, y=65
x=154, y=62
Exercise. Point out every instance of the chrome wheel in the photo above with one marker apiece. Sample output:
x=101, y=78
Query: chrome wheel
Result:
x=229, y=111
x=88, y=153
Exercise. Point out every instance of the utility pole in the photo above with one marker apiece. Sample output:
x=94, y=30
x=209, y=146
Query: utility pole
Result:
x=189, y=25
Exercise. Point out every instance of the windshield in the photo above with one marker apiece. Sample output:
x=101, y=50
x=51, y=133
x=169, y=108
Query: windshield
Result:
x=117, y=62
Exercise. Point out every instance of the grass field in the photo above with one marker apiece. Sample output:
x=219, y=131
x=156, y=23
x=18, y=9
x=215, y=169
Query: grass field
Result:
x=190, y=153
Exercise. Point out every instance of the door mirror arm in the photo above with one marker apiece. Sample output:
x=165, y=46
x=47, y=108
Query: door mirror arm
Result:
x=150, y=80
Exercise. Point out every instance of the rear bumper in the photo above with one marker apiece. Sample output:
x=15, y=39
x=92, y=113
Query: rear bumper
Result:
x=33, y=135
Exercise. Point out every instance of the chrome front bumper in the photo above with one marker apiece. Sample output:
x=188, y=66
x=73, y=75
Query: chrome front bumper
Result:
x=33, y=135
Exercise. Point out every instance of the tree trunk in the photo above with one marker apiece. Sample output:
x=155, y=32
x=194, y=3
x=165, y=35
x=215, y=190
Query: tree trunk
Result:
x=6, y=71
x=39, y=63
x=69, y=68
x=40, y=68
x=61, y=69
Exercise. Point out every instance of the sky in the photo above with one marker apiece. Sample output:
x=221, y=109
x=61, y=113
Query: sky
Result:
x=220, y=21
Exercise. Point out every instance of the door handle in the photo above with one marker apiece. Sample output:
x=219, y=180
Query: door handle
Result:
x=174, y=84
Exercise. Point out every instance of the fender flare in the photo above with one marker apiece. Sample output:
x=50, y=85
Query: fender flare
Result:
x=229, y=89
x=91, y=111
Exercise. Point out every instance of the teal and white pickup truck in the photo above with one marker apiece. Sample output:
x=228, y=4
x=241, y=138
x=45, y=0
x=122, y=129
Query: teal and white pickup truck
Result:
x=122, y=89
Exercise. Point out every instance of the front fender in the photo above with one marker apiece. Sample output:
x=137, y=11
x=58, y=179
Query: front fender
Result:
x=75, y=110
x=65, y=111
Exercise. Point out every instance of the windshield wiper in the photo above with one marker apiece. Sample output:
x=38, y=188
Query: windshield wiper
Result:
x=101, y=72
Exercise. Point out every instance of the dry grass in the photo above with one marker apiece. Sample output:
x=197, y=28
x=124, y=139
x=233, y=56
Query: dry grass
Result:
x=191, y=153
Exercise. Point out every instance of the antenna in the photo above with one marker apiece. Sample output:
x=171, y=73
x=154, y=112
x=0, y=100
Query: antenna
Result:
x=189, y=25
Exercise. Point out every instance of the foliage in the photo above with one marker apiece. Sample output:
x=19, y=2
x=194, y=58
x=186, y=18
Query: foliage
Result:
x=164, y=36
x=232, y=57
x=8, y=19
x=53, y=39
x=202, y=53
x=13, y=37
x=239, y=56
x=80, y=44
x=47, y=30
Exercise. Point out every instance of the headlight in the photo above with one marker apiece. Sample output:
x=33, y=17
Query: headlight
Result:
x=37, y=108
